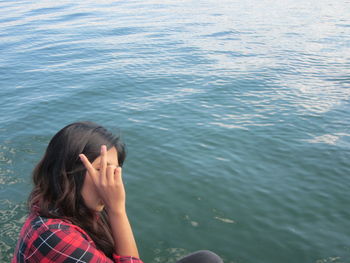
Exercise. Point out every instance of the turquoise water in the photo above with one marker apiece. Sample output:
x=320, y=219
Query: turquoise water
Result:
x=235, y=115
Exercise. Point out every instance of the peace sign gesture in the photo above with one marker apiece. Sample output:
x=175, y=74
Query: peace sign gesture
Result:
x=104, y=175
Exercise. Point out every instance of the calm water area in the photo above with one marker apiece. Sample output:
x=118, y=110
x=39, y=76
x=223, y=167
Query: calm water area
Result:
x=235, y=114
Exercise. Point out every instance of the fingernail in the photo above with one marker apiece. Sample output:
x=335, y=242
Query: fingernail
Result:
x=103, y=148
x=80, y=156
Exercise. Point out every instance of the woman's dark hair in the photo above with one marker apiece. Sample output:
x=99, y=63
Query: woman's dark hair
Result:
x=59, y=177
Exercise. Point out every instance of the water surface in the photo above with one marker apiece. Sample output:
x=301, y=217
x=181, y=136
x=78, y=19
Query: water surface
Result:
x=235, y=115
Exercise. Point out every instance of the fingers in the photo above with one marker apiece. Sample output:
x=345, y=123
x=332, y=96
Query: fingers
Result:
x=106, y=174
x=87, y=164
x=110, y=174
x=103, y=164
x=118, y=175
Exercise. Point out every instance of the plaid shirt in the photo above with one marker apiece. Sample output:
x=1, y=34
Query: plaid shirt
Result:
x=55, y=240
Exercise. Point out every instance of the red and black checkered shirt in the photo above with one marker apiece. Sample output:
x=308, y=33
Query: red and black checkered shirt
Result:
x=55, y=240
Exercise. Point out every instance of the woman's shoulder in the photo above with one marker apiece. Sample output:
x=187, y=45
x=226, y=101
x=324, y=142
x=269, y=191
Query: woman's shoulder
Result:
x=37, y=225
x=41, y=237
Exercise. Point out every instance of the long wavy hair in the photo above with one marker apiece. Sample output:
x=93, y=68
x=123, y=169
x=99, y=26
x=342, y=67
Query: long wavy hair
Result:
x=59, y=176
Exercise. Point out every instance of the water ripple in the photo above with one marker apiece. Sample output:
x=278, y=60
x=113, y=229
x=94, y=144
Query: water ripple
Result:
x=236, y=115
x=11, y=216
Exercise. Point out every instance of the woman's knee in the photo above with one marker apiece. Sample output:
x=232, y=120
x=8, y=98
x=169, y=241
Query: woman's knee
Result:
x=202, y=256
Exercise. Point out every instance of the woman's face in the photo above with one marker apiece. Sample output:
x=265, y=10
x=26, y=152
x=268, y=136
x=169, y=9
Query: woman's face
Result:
x=89, y=192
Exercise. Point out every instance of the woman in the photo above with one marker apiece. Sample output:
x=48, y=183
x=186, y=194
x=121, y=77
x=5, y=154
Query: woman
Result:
x=77, y=205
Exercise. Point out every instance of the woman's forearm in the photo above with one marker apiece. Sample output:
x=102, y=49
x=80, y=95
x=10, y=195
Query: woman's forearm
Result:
x=123, y=236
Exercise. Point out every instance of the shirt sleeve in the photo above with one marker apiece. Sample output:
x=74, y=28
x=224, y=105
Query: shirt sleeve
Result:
x=123, y=259
x=68, y=245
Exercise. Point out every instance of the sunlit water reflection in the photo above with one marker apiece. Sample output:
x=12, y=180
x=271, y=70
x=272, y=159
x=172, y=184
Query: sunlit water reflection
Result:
x=235, y=114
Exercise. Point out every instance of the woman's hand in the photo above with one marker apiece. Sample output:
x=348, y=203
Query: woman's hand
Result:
x=110, y=188
x=108, y=182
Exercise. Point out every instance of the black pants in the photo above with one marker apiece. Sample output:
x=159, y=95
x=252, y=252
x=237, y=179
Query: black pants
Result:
x=202, y=256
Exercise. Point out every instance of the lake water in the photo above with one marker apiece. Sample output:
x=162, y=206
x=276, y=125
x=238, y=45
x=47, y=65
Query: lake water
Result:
x=236, y=116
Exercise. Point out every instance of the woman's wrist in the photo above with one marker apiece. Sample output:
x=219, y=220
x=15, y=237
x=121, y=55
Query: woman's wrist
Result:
x=122, y=233
x=117, y=211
